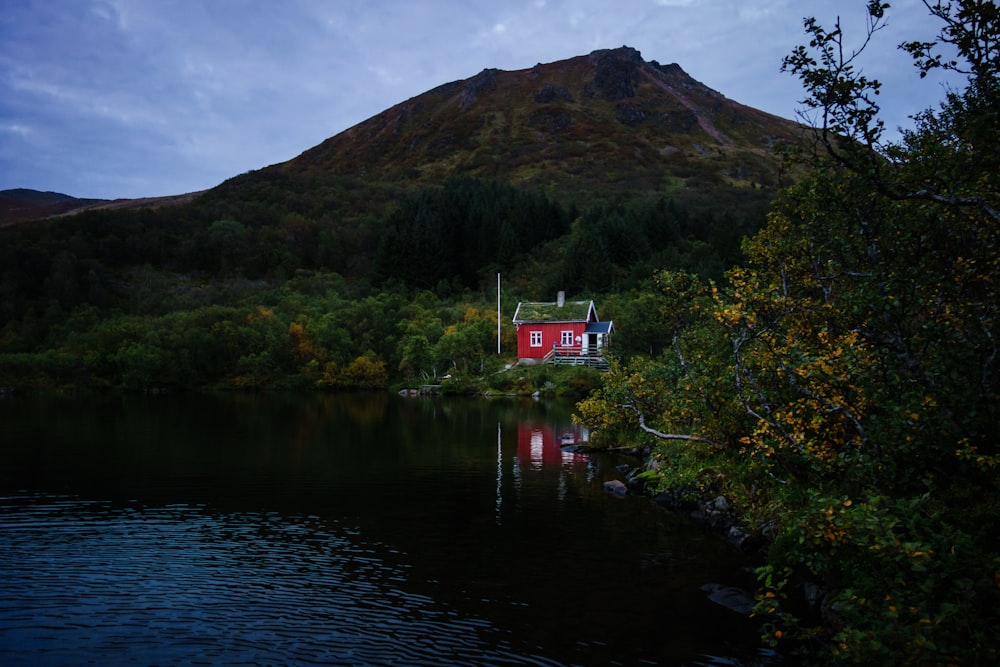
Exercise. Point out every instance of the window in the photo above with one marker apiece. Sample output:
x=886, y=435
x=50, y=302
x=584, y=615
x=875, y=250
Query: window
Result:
x=536, y=339
x=567, y=339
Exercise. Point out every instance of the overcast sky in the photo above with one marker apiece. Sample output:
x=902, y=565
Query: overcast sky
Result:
x=136, y=98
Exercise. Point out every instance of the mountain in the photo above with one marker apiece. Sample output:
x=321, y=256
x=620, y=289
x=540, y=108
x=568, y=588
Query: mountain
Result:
x=607, y=126
x=589, y=128
x=608, y=123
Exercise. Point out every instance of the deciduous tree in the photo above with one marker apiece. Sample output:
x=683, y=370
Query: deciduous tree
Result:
x=859, y=423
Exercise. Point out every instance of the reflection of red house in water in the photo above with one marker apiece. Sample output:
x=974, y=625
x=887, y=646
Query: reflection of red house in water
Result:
x=538, y=444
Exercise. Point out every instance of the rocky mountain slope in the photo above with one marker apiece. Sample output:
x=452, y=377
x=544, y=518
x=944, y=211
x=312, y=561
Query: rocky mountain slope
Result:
x=605, y=123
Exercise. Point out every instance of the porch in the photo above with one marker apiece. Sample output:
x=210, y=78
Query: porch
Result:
x=576, y=355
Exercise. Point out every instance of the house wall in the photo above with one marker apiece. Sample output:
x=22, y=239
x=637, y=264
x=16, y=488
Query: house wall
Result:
x=551, y=333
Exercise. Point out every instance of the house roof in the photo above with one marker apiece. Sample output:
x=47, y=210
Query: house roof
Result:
x=600, y=327
x=550, y=311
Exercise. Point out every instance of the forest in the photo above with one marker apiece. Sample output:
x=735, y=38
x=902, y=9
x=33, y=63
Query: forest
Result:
x=827, y=362
x=179, y=298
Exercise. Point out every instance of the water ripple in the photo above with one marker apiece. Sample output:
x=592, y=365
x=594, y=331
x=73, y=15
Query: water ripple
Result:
x=107, y=583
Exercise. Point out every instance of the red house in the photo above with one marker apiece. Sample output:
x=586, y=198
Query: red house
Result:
x=567, y=332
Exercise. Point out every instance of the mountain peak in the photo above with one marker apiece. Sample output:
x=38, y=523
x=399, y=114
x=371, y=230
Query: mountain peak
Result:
x=606, y=120
x=624, y=52
x=616, y=72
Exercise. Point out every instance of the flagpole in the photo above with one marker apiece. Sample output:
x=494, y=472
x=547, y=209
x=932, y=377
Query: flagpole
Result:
x=498, y=314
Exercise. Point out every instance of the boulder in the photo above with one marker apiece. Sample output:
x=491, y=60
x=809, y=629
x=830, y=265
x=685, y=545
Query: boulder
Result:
x=616, y=488
x=730, y=597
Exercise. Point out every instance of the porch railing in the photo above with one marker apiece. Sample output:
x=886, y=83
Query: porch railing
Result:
x=575, y=356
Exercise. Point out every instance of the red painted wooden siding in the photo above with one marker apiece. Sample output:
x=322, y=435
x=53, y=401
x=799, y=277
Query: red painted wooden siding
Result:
x=551, y=333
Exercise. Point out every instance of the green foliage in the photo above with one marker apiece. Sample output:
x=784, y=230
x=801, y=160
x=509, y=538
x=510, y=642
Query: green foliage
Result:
x=842, y=387
x=613, y=247
x=416, y=358
x=313, y=331
x=543, y=379
x=236, y=292
x=903, y=585
x=367, y=371
x=467, y=230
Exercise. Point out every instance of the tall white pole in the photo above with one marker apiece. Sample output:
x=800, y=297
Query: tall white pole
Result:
x=498, y=314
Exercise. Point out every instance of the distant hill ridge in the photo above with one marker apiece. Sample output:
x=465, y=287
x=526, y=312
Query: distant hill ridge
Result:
x=23, y=204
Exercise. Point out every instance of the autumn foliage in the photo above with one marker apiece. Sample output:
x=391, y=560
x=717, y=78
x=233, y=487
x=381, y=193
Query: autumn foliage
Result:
x=842, y=385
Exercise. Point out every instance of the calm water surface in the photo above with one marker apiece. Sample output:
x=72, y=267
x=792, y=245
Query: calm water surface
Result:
x=340, y=530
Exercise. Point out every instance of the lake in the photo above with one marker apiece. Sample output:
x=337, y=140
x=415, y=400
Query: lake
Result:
x=341, y=530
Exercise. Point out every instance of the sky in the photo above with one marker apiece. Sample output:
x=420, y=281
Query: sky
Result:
x=141, y=98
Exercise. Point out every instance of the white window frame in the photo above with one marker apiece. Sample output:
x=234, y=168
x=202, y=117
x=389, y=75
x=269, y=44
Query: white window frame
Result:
x=535, y=338
x=566, y=339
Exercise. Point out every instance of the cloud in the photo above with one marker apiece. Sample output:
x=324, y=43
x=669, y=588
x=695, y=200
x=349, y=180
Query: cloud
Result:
x=109, y=11
x=170, y=97
x=16, y=129
x=386, y=76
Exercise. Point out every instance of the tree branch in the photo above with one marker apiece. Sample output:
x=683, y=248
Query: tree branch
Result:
x=660, y=434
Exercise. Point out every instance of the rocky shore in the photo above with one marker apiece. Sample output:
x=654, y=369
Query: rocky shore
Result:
x=716, y=514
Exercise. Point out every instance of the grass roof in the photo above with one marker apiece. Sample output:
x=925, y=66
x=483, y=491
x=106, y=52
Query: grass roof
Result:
x=551, y=312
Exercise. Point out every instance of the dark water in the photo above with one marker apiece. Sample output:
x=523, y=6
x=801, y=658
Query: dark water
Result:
x=340, y=530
